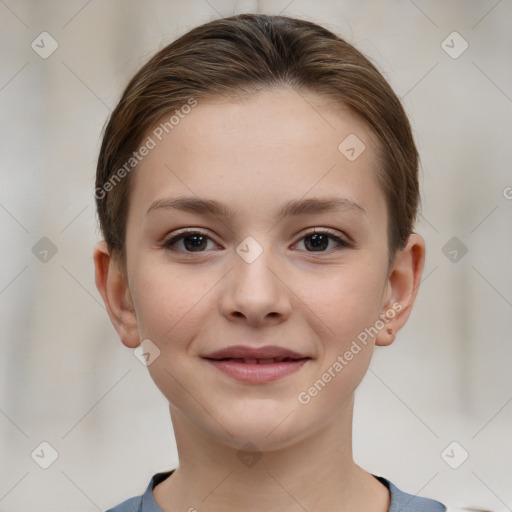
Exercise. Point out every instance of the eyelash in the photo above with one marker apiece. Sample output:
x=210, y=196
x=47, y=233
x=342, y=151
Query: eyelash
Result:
x=342, y=244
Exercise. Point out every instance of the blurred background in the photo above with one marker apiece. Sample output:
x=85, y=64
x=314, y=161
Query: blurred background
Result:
x=82, y=426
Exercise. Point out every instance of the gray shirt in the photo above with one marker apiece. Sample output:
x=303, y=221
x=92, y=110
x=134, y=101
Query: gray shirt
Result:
x=400, y=501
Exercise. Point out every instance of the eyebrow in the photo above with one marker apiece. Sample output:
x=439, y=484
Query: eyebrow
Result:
x=294, y=207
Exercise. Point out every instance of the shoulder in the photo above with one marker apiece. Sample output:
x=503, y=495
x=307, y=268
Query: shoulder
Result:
x=144, y=502
x=131, y=505
x=404, y=502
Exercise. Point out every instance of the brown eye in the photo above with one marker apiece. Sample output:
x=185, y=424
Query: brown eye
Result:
x=191, y=242
x=318, y=241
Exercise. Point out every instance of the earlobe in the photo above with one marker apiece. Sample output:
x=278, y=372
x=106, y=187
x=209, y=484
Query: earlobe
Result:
x=401, y=288
x=115, y=292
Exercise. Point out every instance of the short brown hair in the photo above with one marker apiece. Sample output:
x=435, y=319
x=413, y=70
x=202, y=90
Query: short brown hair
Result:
x=241, y=55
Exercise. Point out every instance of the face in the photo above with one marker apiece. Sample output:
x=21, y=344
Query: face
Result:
x=295, y=258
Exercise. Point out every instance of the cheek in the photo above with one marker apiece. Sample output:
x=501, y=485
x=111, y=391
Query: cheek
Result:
x=168, y=301
x=348, y=305
x=171, y=309
x=347, y=301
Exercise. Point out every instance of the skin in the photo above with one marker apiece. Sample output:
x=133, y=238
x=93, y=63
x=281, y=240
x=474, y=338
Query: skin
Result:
x=253, y=156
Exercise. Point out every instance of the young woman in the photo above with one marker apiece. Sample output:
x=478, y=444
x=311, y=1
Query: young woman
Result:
x=257, y=191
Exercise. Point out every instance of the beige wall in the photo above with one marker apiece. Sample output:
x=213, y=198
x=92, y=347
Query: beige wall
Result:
x=66, y=378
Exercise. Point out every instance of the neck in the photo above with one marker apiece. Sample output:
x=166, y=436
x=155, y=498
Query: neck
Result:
x=316, y=473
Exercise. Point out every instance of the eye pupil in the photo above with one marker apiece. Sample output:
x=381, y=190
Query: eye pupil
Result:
x=197, y=243
x=318, y=241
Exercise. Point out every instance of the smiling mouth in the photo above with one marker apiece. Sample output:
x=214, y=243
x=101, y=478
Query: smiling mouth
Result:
x=257, y=370
x=260, y=361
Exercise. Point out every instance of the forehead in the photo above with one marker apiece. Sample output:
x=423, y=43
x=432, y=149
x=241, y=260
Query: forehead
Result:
x=273, y=144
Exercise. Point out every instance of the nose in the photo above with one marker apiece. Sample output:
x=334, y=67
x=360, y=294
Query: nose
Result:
x=256, y=293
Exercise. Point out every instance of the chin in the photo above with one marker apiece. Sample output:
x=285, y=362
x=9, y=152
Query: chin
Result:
x=252, y=438
x=268, y=425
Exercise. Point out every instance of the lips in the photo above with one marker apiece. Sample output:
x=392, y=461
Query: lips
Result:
x=262, y=355
x=257, y=361
x=257, y=365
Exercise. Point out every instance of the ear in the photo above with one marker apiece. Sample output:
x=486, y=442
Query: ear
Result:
x=113, y=287
x=401, y=288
